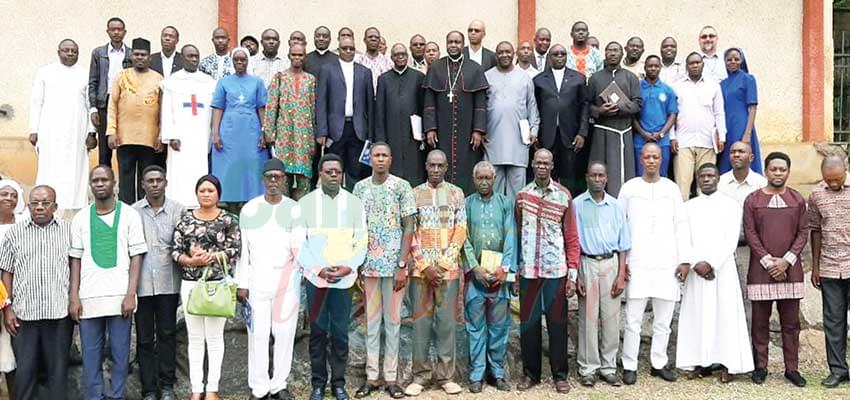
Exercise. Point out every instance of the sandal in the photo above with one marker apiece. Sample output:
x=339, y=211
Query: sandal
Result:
x=395, y=391
x=365, y=390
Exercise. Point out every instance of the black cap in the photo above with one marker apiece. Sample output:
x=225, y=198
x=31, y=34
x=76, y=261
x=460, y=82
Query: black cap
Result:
x=273, y=164
x=141, y=44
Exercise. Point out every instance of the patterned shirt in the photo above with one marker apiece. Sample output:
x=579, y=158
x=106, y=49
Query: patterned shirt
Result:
x=586, y=62
x=377, y=65
x=216, y=66
x=288, y=121
x=829, y=214
x=219, y=234
x=159, y=275
x=385, y=205
x=491, y=226
x=549, y=243
x=440, y=229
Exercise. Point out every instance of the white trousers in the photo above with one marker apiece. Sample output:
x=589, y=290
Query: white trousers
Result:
x=202, y=331
x=510, y=179
x=662, y=311
x=276, y=315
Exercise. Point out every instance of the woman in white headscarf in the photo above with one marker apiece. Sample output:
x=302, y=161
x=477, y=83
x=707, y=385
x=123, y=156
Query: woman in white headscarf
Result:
x=12, y=207
x=239, y=150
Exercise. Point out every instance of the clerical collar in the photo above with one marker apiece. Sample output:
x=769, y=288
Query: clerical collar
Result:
x=559, y=70
x=400, y=72
x=346, y=62
x=459, y=59
x=322, y=52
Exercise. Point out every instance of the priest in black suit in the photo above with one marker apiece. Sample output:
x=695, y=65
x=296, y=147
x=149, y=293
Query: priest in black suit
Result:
x=485, y=57
x=399, y=96
x=561, y=95
x=455, y=113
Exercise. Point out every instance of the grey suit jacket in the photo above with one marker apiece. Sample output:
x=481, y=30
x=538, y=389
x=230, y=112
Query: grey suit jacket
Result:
x=99, y=74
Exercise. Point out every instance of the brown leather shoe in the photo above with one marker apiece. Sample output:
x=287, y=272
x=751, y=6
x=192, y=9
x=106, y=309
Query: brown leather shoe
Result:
x=562, y=386
x=725, y=377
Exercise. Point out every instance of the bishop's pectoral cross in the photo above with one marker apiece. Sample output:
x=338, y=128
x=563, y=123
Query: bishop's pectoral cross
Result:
x=194, y=104
x=451, y=96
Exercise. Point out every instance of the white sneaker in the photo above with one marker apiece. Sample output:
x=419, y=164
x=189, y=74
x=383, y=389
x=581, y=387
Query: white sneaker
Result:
x=413, y=389
x=452, y=388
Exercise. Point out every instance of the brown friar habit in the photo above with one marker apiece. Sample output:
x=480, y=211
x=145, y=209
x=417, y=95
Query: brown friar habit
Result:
x=456, y=120
x=399, y=96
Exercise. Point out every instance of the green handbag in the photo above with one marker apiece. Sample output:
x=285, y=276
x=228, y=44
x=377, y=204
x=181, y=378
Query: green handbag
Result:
x=215, y=298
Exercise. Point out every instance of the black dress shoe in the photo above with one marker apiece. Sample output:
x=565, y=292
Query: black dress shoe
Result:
x=834, y=380
x=340, y=393
x=476, y=387
x=612, y=379
x=365, y=390
x=527, y=383
x=587, y=380
x=664, y=373
x=317, y=393
x=795, y=378
x=629, y=377
x=283, y=395
x=759, y=375
x=502, y=385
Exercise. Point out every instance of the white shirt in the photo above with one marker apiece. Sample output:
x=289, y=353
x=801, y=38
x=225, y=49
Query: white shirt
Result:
x=739, y=191
x=714, y=67
x=701, y=113
x=167, y=64
x=530, y=71
x=672, y=73
x=559, y=77
x=476, y=55
x=116, y=64
x=348, y=73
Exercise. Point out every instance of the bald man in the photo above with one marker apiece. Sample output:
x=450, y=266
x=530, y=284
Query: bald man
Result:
x=218, y=65
x=828, y=205
x=525, y=58
x=542, y=41
x=417, y=54
x=476, y=51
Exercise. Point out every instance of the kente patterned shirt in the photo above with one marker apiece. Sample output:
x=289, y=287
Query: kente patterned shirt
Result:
x=288, y=121
x=385, y=206
x=440, y=229
x=549, y=244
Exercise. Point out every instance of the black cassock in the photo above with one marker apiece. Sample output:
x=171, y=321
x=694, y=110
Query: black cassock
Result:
x=455, y=120
x=398, y=97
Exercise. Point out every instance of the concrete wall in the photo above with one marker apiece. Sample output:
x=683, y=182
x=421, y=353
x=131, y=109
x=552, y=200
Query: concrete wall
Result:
x=397, y=21
x=769, y=32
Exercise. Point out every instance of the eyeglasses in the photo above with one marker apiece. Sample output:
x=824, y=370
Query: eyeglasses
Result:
x=42, y=203
x=708, y=36
x=346, y=48
x=274, y=176
x=399, y=55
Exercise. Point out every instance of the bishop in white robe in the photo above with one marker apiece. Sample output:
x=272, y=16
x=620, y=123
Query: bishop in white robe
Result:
x=185, y=126
x=59, y=124
x=712, y=320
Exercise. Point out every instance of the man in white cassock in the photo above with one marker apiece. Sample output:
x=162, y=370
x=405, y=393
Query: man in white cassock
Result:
x=185, y=127
x=60, y=128
x=659, y=230
x=269, y=280
x=712, y=321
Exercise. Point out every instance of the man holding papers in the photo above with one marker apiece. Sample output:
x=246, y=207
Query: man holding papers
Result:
x=398, y=117
x=512, y=120
x=489, y=256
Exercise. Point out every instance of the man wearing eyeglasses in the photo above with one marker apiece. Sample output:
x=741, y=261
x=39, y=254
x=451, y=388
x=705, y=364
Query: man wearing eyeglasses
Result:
x=714, y=66
x=476, y=51
x=373, y=59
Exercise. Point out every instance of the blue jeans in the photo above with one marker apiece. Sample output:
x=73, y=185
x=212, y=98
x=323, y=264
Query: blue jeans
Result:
x=93, y=332
x=665, y=160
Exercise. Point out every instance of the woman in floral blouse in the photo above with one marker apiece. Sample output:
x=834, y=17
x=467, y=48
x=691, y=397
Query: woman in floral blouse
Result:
x=201, y=237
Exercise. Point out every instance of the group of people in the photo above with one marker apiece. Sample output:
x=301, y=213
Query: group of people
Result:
x=436, y=179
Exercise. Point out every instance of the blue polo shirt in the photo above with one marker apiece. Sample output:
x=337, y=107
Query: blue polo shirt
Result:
x=602, y=227
x=659, y=101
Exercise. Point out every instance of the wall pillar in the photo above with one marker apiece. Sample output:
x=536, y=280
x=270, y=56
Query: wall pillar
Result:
x=526, y=19
x=815, y=123
x=228, y=18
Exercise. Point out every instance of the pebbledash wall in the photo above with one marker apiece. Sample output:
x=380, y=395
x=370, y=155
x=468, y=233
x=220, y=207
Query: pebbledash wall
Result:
x=788, y=44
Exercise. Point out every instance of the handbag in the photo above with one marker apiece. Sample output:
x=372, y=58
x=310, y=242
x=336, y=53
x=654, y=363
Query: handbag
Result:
x=214, y=298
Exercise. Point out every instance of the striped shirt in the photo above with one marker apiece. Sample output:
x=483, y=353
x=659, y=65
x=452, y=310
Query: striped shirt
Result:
x=159, y=275
x=37, y=256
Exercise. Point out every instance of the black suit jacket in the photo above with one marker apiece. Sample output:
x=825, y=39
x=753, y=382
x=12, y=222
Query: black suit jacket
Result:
x=330, y=102
x=156, y=63
x=488, y=58
x=99, y=74
x=567, y=110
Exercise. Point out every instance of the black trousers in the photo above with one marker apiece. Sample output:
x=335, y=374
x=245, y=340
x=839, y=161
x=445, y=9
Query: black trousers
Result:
x=156, y=341
x=132, y=160
x=330, y=316
x=104, y=153
x=42, y=347
x=349, y=147
x=538, y=297
x=570, y=167
x=836, y=300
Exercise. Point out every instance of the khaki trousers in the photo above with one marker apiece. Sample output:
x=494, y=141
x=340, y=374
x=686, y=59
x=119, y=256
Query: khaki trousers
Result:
x=687, y=161
x=598, y=310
